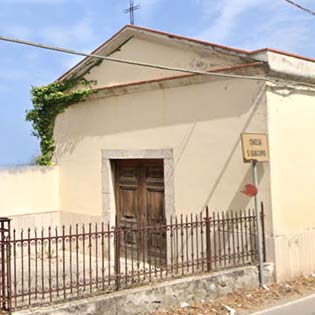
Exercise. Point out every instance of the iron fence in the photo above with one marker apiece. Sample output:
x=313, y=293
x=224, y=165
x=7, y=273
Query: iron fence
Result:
x=44, y=266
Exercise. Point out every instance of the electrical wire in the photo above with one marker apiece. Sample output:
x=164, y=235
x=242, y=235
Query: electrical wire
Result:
x=300, y=7
x=149, y=65
x=135, y=63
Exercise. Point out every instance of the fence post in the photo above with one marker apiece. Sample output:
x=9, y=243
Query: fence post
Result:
x=5, y=268
x=208, y=240
x=117, y=244
x=262, y=217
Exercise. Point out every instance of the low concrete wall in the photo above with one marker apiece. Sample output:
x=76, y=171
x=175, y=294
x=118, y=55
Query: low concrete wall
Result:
x=28, y=190
x=294, y=255
x=67, y=218
x=39, y=221
x=162, y=296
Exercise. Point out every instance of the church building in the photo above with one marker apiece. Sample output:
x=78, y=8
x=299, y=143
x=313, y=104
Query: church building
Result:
x=154, y=142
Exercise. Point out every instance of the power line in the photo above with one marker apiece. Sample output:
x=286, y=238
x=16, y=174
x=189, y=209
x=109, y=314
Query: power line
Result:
x=130, y=62
x=300, y=7
x=148, y=65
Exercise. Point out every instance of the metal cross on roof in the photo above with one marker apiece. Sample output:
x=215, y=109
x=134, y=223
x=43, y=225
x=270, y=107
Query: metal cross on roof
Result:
x=132, y=8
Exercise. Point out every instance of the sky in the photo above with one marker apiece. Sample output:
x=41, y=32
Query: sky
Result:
x=84, y=24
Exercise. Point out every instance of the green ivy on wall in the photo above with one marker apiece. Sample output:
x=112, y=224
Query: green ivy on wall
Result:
x=48, y=102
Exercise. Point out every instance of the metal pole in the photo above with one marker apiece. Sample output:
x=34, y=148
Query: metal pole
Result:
x=259, y=229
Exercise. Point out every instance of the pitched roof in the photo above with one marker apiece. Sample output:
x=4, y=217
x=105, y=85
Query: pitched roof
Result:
x=129, y=30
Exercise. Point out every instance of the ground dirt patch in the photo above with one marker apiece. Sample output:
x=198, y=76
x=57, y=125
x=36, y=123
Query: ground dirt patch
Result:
x=246, y=302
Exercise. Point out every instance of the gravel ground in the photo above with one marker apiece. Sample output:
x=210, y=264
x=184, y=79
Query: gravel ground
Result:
x=246, y=302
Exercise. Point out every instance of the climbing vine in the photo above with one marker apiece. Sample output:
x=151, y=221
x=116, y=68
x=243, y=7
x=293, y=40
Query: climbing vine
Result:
x=48, y=102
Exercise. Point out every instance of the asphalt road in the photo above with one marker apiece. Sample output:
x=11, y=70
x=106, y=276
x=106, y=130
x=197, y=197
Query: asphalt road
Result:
x=303, y=306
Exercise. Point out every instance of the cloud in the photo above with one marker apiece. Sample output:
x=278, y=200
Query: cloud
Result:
x=228, y=14
x=283, y=31
x=148, y=8
x=59, y=35
x=252, y=24
x=17, y=31
x=66, y=35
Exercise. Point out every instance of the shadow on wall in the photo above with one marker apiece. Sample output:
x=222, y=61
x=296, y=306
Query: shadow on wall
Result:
x=153, y=109
x=238, y=199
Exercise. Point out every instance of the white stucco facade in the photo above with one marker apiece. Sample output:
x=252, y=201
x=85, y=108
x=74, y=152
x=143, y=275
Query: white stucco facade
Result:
x=200, y=123
x=194, y=124
x=291, y=129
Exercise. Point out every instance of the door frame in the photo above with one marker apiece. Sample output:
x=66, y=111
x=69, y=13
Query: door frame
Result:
x=108, y=178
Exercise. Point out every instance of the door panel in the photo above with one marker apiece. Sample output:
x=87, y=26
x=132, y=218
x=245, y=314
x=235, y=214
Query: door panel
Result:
x=155, y=215
x=140, y=201
x=155, y=205
x=127, y=191
x=128, y=201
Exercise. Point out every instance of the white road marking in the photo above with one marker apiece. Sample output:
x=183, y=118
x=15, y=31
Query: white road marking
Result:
x=284, y=305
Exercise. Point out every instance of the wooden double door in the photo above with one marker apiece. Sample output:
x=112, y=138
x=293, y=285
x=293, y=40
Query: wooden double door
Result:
x=139, y=185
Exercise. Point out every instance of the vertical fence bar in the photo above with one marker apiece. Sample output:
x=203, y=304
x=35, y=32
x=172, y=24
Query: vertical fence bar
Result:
x=49, y=263
x=186, y=243
x=90, y=256
x=109, y=235
x=242, y=235
x=132, y=232
x=9, y=276
x=172, y=245
x=125, y=253
x=223, y=238
x=182, y=242
x=3, y=279
x=192, y=243
x=237, y=237
x=103, y=255
x=229, y=236
x=77, y=258
x=57, y=260
x=83, y=256
x=117, y=253
x=36, y=264
x=22, y=264
x=161, y=247
x=96, y=256
x=154, y=244
x=14, y=269
x=29, y=264
x=247, y=236
x=70, y=258
x=143, y=248
x=208, y=240
x=42, y=264
x=251, y=248
x=6, y=283
x=197, y=242
x=177, y=245
x=219, y=238
x=149, y=257
x=201, y=238
x=64, y=262
x=233, y=239
x=215, y=245
x=138, y=246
